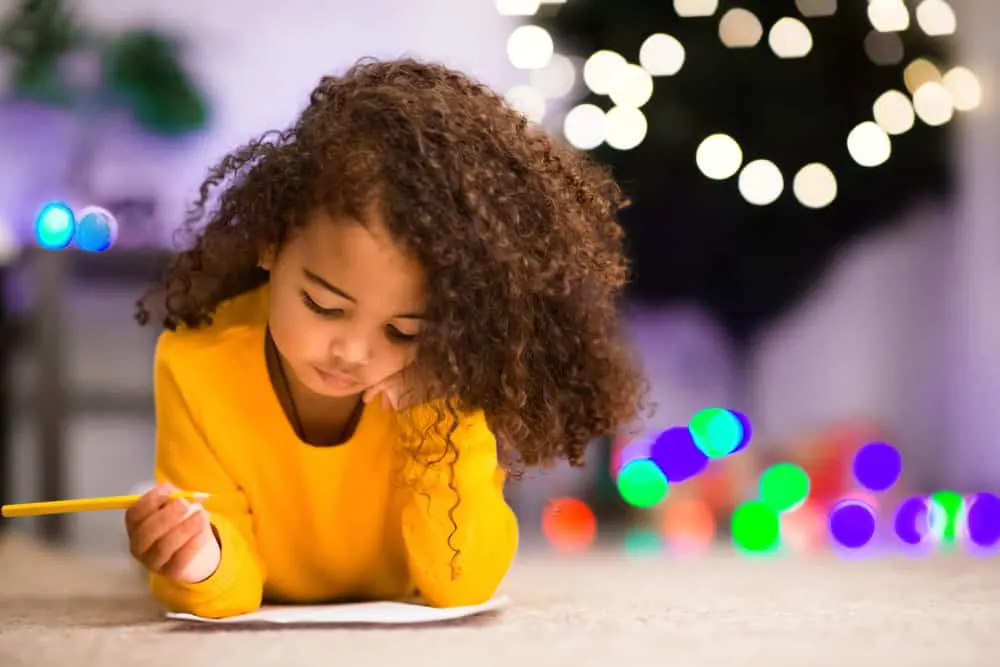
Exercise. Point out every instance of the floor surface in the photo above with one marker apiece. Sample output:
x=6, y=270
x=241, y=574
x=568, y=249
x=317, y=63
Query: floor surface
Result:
x=605, y=608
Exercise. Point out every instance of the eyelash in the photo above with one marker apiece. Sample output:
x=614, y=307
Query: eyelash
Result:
x=391, y=331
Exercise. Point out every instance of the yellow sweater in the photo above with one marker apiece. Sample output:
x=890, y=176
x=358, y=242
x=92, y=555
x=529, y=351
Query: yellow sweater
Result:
x=303, y=524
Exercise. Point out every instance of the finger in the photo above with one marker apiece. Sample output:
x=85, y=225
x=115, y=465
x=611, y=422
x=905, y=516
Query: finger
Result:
x=184, y=554
x=146, y=534
x=164, y=548
x=148, y=503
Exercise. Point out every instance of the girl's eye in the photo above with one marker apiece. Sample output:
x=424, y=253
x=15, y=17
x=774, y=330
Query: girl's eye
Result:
x=400, y=337
x=318, y=309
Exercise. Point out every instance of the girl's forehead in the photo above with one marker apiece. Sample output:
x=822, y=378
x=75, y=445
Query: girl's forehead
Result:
x=363, y=257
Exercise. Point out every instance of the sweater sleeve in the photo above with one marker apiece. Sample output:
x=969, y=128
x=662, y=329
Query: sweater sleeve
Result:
x=185, y=459
x=460, y=534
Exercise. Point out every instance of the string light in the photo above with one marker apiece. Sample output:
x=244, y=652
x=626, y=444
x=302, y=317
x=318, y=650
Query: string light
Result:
x=633, y=87
x=530, y=47
x=761, y=183
x=602, y=69
x=585, y=126
x=790, y=38
x=933, y=104
x=626, y=128
x=893, y=112
x=936, y=18
x=661, y=55
x=517, y=7
x=935, y=98
x=815, y=186
x=695, y=8
x=868, y=144
x=555, y=79
x=888, y=15
x=964, y=88
x=919, y=72
x=884, y=48
x=814, y=8
x=529, y=101
x=740, y=29
x=719, y=157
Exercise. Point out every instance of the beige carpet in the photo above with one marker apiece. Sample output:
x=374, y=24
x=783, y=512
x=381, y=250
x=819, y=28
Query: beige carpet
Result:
x=725, y=611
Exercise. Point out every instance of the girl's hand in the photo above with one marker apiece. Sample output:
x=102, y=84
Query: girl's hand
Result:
x=172, y=536
x=398, y=392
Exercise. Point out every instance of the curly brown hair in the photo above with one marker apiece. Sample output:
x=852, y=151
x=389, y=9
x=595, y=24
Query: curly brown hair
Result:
x=517, y=235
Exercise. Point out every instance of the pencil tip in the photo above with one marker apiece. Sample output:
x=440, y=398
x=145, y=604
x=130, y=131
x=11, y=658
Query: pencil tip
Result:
x=199, y=496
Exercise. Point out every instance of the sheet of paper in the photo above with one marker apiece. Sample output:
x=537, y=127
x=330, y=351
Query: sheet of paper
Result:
x=379, y=613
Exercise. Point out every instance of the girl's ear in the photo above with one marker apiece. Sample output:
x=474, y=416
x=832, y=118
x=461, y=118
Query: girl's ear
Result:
x=267, y=256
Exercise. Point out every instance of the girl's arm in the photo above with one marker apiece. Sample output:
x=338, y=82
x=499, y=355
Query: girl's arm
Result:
x=185, y=459
x=481, y=527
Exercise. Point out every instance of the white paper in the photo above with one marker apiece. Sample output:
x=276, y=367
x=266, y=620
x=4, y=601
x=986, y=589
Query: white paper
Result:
x=379, y=613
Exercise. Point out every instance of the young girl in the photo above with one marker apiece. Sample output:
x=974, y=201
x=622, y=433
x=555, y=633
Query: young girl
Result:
x=385, y=307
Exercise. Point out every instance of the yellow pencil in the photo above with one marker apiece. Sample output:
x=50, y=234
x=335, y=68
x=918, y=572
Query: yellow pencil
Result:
x=85, y=505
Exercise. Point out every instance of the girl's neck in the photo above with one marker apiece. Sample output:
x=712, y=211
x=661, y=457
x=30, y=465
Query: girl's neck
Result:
x=320, y=421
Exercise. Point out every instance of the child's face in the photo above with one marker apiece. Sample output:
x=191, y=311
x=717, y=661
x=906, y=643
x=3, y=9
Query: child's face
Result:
x=346, y=305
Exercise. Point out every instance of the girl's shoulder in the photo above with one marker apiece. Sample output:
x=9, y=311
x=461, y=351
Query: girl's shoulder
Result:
x=235, y=324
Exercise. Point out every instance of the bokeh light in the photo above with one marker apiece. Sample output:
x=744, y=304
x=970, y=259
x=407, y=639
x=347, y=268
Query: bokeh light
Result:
x=96, y=229
x=756, y=528
x=717, y=432
x=689, y=525
x=946, y=510
x=852, y=523
x=639, y=448
x=568, y=524
x=55, y=226
x=747, y=431
x=641, y=483
x=803, y=529
x=783, y=487
x=877, y=466
x=642, y=542
x=677, y=455
x=911, y=521
x=983, y=520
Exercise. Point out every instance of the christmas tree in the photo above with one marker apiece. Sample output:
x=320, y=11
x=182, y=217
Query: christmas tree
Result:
x=755, y=138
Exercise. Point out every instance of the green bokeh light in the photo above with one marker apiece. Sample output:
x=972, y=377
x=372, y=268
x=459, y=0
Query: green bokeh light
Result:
x=716, y=431
x=784, y=486
x=756, y=527
x=946, y=508
x=639, y=541
x=641, y=483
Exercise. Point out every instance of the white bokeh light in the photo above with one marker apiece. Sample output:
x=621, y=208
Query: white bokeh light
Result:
x=964, y=87
x=933, y=104
x=936, y=18
x=893, y=112
x=690, y=8
x=719, y=156
x=602, y=69
x=868, y=144
x=555, y=79
x=529, y=101
x=740, y=29
x=661, y=55
x=632, y=88
x=626, y=128
x=517, y=7
x=761, y=182
x=815, y=186
x=585, y=126
x=530, y=47
x=790, y=38
x=888, y=15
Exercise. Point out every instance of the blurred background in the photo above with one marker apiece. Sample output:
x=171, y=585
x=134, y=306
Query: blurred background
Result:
x=814, y=227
